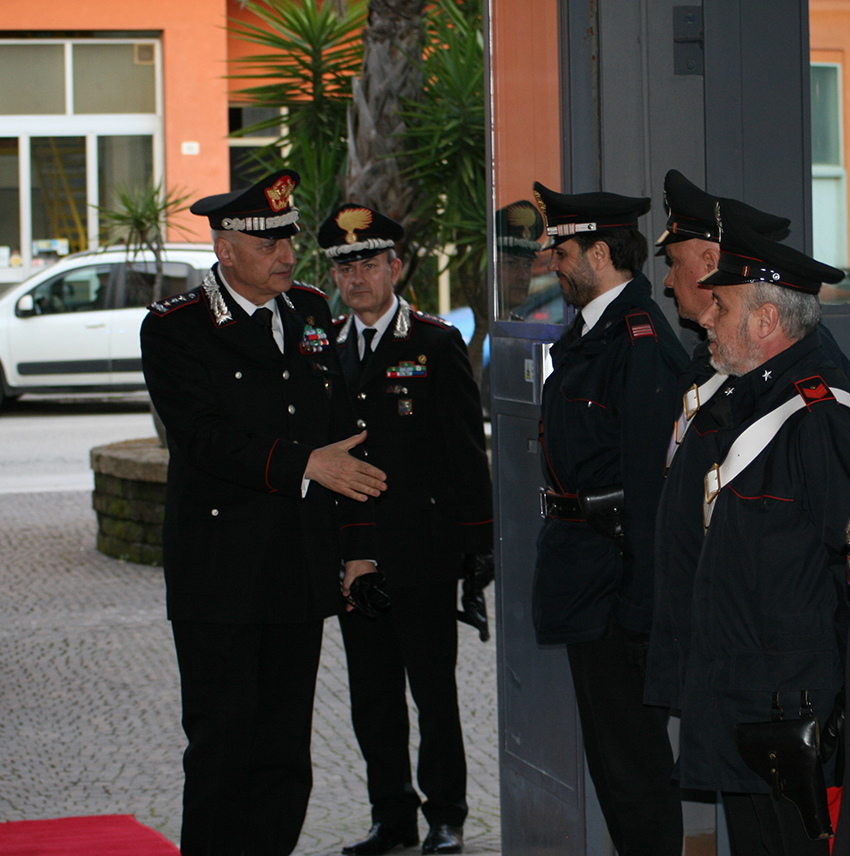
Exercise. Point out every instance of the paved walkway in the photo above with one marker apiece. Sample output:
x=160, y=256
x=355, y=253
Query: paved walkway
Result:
x=89, y=698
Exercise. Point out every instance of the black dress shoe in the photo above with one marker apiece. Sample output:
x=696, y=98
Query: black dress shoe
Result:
x=383, y=837
x=443, y=838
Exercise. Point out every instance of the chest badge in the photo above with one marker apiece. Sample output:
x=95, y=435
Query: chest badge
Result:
x=314, y=340
x=407, y=369
x=405, y=407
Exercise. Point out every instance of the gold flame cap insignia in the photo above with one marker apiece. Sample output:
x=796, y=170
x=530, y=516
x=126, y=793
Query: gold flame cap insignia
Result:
x=524, y=217
x=351, y=220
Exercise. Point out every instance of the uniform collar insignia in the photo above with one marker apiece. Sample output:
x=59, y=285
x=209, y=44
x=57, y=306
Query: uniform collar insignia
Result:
x=401, y=330
x=212, y=289
x=289, y=304
x=342, y=336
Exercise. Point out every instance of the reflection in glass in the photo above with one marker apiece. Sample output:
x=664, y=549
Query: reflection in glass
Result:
x=826, y=128
x=58, y=197
x=526, y=290
x=124, y=162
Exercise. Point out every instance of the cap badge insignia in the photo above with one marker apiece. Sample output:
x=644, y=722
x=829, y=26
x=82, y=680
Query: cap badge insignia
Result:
x=351, y=220
x=522, y=217
x=719, y=220
x=278, y=194
x=542, y=206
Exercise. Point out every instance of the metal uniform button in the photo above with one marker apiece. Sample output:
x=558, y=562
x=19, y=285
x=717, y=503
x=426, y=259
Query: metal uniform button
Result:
x=214, y=512
x=433, y=501
x=291, y=409
x=361, y=396
x=286, y=374
x=238, y=375
x=361, y=423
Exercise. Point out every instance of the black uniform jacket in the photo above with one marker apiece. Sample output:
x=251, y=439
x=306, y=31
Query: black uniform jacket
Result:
x=420, y=405
x=768, y=610
x=679, y=532
x=607, y=410
x=239, y=542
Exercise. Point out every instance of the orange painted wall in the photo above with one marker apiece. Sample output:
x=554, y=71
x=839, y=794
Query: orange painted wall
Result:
x=194, y=53
x=829, y=27
x=527, y=145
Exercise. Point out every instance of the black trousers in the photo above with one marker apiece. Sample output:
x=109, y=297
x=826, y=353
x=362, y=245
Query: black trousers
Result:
x=247, y=710
x=416, y=637
x=760, y=825
x=628, y=750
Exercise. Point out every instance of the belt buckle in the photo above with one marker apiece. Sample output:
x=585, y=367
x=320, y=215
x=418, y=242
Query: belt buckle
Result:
x=690, y=412
x=712, y=484
x=543, y=502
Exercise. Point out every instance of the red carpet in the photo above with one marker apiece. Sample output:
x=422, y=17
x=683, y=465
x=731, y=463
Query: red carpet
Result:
x=109, y=835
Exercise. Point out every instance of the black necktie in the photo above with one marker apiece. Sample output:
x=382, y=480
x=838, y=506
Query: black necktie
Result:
x=263, y=317
x=574, y=331
x=368, y=335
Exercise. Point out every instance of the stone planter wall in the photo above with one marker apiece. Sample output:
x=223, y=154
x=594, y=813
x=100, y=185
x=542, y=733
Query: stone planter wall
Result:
x=129, y=498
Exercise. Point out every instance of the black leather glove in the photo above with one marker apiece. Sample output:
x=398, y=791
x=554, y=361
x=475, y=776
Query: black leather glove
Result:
x=367, y=595
x=478, y=573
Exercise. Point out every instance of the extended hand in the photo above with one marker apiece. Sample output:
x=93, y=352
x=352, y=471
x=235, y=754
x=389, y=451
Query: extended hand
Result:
x=332, y=467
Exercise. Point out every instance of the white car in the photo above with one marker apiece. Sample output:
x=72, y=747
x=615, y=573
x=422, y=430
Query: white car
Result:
x=74, y=327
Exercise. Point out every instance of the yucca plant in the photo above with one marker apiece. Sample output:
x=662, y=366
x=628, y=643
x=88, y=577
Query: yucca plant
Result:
x=143, y=213
x=310, y=55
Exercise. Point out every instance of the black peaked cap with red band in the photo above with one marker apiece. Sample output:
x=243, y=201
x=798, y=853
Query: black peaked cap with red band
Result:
x=692, y=213
x=747, y=256
x=264, y=210
x=569, y=215
x=354, y=232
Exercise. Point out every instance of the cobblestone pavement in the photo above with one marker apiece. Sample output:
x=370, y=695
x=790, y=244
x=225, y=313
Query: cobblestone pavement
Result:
x=89, y=699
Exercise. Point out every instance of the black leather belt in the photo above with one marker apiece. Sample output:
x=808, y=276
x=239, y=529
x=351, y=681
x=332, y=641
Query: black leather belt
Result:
x=561, y=506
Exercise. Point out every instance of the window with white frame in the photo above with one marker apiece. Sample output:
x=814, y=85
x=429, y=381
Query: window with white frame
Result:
x=79, y=119
x=829, y=178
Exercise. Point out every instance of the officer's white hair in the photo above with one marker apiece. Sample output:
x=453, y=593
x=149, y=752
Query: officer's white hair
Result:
x=799, y=312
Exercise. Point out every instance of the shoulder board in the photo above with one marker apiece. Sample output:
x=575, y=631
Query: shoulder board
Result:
x=640, y=326
x=311, y=288
x=164, y=307
x=813, y=390
x=432, y=319
x=340, y=320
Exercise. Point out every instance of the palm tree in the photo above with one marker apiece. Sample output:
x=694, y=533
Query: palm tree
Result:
x=310, y=56
x=445, y=138
x=391, y=76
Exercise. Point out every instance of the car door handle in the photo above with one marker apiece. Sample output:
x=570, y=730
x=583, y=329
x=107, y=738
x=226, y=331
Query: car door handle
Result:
x=94, y=326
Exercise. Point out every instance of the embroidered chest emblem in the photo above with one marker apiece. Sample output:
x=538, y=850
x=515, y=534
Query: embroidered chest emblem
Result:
x=314, y=340
x=407, y=368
